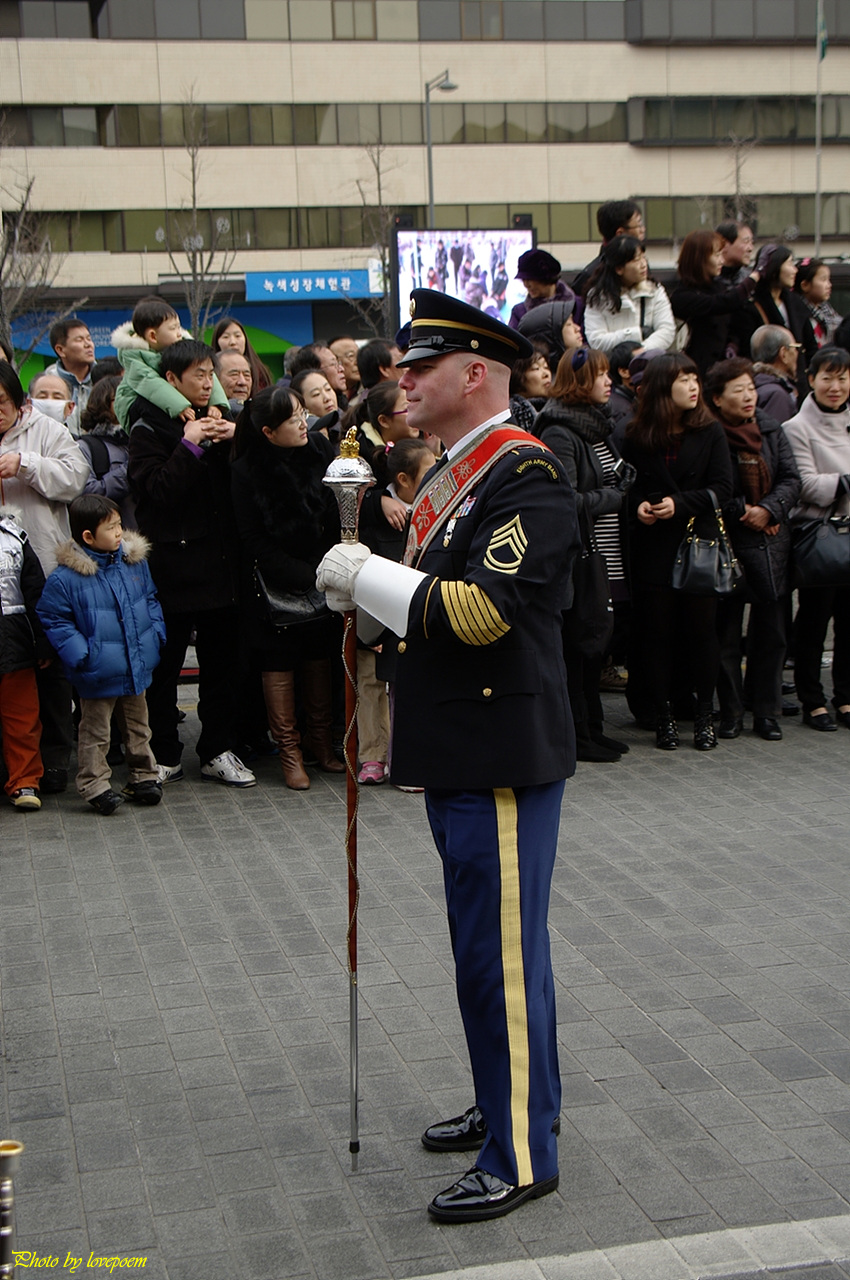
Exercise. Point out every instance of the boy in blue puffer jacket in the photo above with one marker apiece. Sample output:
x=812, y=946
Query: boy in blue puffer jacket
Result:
x=101, y=614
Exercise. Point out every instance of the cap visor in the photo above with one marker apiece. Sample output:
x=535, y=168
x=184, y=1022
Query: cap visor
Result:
x=425, y=353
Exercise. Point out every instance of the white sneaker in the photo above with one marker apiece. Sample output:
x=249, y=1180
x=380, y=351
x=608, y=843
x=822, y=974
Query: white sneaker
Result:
x=169, y=773
x=229, y=769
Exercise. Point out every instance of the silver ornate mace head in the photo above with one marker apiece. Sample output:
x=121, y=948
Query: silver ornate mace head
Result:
x=349, y=476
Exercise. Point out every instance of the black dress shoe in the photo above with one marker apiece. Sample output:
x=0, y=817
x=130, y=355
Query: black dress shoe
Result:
x=705, y=737
x=478, y=1196
x=790, y=708
x=824, y=723
x=464, y=1133
x=843, y=717
x=766, y=727
x=590, y=752
x=730, y=728
x=610, y=744
x=53, y=782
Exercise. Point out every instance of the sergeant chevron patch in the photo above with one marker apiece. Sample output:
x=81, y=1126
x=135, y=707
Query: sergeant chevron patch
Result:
x=507, y=547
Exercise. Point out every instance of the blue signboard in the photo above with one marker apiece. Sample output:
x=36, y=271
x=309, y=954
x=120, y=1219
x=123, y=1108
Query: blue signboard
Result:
x=303, y=286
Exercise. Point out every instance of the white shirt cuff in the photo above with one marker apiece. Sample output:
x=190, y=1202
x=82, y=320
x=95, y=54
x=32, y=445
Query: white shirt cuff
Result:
x=385, y=589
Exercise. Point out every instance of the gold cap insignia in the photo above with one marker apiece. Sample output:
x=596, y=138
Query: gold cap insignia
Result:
x=412, y=308
x=474, y=344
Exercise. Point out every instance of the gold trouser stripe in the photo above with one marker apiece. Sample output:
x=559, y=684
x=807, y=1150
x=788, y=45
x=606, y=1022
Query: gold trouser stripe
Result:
x=513, y=971
x=472, y=615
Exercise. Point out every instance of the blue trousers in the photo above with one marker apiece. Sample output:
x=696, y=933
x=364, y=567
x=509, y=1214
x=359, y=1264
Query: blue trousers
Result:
x=498, y=851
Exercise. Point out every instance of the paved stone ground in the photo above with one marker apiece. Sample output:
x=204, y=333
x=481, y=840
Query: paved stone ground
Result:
x=175, y=1028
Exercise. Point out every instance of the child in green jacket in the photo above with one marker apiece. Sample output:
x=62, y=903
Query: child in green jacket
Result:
x=154, y=326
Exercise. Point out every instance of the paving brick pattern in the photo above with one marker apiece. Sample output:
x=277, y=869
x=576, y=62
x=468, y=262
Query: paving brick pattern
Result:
x=175, y=1020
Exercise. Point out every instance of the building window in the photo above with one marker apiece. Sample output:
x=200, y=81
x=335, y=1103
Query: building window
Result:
x=80, y=126
x=266, y=20
x=354, y=19
x=310, y=20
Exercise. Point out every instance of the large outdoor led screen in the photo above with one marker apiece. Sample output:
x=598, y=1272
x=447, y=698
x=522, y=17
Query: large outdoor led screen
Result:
x=479, y=267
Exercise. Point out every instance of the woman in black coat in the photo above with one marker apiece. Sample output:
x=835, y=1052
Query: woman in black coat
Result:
x=775, y=302
x=286, y=519
x=679, y=453
x=576, y=425
x=707, y=304
x=766, y=486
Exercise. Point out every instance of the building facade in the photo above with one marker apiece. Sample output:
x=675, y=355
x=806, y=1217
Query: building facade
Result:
x=311, y=125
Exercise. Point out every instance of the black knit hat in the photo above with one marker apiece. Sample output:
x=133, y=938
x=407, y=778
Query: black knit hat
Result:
x=441, y=324
x=537, y=264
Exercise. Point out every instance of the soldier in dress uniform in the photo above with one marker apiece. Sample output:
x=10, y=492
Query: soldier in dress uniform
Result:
x=482, y=722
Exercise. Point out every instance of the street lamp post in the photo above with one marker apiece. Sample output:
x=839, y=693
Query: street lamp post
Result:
x=443, y=82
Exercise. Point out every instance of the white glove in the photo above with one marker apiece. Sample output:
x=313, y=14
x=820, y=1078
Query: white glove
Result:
x=338, y=572
x=339, y=602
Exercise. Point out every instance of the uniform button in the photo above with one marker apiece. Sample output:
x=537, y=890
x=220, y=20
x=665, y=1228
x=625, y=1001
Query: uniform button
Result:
x=487, y=692
x=402, y=646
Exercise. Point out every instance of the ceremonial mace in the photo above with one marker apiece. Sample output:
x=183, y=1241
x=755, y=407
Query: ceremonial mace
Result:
x=350, y=476
x=10, y=1152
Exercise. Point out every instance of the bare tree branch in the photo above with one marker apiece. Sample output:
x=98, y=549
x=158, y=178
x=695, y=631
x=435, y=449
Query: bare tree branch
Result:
x=29, y=266
x=378, y=220
x=201, y=262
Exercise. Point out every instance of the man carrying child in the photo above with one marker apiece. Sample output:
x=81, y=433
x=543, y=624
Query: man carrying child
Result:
x=179, y=474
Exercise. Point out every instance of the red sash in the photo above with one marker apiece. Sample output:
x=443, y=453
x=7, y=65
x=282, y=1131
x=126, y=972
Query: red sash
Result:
x=453, y=482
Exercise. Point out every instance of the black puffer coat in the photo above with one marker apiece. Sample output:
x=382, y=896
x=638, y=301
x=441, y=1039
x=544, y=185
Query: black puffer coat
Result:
x=183, y=508
x=765, y=557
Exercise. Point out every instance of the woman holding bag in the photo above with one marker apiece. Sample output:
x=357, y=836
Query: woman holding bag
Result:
x=287, y=519
x=682, y=463
x=576, y=425
x=766, y=488
x=819, y=438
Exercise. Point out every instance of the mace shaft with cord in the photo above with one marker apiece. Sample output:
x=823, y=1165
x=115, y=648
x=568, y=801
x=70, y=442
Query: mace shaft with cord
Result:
x=349, y=476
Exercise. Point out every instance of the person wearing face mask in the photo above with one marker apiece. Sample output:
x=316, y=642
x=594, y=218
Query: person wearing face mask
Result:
x=575, y=423
x=622, y=303
x=766, y=486
x=49, y=393
x=42, y=470
x=820, y=438
x=775, y=302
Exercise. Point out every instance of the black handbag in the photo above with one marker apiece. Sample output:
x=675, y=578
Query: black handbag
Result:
x=820, y=550
x=706, y=566
x=589, y=623
x=285, y=609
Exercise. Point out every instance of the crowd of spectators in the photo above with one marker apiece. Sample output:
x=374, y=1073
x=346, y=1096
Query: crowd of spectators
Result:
x=728, y=392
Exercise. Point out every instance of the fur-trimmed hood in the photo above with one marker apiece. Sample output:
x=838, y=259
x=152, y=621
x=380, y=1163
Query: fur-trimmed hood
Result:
x=134, y=548
x=125, y=337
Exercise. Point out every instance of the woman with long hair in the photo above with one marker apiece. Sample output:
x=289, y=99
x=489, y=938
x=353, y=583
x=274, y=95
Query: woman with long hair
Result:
x=679, y=453
x=575, y=423
x=775, y=302
x=704, y=302
x=230, y=335
x=286, y=519
x=820, y=439
x=624, y=304
x=766, y=488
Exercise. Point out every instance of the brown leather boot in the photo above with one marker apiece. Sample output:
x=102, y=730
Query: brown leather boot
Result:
x=279, y=693
x=318, y=715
